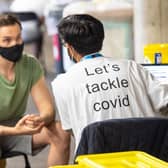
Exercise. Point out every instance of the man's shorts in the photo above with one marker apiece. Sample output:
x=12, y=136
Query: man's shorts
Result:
x=21, y=143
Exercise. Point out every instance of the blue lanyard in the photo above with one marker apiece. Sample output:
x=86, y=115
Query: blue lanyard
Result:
x=90, y=56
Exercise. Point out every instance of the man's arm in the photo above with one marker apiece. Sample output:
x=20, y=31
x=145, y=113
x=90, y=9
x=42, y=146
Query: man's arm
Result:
x=21, y=128
x=43, y=101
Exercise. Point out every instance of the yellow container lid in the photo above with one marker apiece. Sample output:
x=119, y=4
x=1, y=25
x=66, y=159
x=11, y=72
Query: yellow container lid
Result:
x=156, y=46
x=69, y=166
x=131, y=159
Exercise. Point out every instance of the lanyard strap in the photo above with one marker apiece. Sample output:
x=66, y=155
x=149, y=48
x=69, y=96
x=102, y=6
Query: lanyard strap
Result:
x=90, y=56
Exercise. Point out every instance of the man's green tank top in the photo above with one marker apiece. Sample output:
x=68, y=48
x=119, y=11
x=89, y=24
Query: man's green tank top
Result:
x=14, y=95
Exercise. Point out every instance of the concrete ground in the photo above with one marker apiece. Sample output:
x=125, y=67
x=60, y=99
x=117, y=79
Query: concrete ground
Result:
x=38, y=161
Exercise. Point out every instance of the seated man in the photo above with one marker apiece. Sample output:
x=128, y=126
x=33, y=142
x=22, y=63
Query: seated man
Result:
x=97, y=88
x=20, y=75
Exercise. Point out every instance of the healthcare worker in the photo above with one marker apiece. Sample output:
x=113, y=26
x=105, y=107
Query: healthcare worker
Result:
x=97, y=87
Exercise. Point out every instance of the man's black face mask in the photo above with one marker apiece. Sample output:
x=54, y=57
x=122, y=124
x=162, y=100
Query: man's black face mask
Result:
x=13, y=53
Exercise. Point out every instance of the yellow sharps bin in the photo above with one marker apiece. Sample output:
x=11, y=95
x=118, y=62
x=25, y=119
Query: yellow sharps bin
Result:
x=70, y=166
x=131, y=159
x=153, y=51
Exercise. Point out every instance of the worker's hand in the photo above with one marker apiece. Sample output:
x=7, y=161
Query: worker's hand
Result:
x=29, y=124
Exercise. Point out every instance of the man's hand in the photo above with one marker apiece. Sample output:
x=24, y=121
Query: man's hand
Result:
x=29, y=124
x=33, y=120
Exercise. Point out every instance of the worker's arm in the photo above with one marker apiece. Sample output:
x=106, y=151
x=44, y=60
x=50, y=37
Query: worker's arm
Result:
x=43, y=101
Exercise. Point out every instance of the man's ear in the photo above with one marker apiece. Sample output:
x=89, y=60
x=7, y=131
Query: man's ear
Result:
x=70, y=47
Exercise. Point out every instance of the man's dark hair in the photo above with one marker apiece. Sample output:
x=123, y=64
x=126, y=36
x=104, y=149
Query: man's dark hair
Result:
x=8, y=20
x=84, y=32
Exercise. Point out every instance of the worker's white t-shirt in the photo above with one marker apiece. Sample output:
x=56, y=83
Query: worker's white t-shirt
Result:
x=102, y=88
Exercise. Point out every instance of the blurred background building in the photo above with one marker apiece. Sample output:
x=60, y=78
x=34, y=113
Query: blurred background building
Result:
x=129, y=26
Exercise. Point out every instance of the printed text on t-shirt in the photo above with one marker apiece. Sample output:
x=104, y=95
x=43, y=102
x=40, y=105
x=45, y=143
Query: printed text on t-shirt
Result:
x=107, y=84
